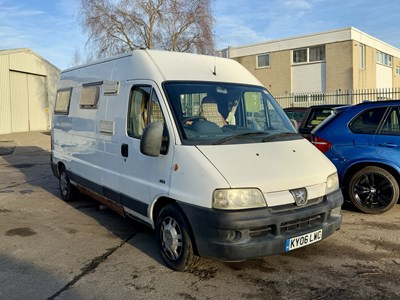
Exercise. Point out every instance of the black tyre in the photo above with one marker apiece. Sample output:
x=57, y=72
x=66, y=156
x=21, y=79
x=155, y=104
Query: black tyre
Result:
x=373, y=190
x=173, y=239
x=67, y=190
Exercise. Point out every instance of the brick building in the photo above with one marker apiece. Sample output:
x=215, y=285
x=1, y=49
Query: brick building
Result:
x=343, y=59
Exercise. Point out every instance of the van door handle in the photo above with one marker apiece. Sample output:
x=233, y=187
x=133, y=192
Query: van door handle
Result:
x=124, y=150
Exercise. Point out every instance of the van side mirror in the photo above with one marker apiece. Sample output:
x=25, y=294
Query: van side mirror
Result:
x=150, y=143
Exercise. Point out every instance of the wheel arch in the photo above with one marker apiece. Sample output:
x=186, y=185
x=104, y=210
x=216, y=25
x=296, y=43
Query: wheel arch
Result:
x=59, y=166
x=360, y=165
x=164, y=201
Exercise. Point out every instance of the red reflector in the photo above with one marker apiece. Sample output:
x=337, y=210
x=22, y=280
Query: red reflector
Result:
x=321, y=144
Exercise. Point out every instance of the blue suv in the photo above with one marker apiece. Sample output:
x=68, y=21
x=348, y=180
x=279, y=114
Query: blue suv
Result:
x=363, y=141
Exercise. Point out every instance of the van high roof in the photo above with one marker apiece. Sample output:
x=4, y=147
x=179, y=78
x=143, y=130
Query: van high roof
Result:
x=162, y=66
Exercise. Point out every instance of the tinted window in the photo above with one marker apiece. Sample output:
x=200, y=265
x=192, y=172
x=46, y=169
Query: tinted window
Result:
x=391, y=125
x=317, y=116
x=296, y=115
x=368, y=121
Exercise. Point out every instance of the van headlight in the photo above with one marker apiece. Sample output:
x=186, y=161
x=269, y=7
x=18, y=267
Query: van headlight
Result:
x=238, y=199
x=332, y=183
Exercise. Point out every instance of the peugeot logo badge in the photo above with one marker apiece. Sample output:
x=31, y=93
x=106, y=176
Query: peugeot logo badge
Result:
x=300, y=196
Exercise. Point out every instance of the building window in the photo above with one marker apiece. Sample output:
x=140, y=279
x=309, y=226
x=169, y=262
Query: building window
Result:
x=90, y=95
x=300, y=56
x=383, y=58
x=317, y=53
x=362, y=56
x=63, y=99
x=310, y=54
x=398, y=71
x=263, y=60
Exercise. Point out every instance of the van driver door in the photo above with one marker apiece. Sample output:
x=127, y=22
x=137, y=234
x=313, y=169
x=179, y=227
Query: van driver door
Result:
x=143, y=178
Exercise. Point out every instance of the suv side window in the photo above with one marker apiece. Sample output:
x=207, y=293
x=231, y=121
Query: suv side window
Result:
x=368, y=121
x=391, y=125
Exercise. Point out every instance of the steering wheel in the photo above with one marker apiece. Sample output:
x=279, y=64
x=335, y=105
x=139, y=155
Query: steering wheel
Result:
x=194, y=119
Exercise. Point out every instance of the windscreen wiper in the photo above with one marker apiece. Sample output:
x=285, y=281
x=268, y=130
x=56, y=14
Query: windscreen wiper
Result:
x=281, y=135
x=238, y=135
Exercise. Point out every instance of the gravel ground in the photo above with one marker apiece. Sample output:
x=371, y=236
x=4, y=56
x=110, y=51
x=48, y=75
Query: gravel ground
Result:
x=56, y=250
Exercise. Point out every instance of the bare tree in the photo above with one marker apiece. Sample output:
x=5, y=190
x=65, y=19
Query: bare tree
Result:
x=117, y=26
x=76, y=59
x=79, y=58
x=188, y=26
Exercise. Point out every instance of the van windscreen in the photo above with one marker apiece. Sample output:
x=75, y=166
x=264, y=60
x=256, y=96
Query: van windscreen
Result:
x=216, y=113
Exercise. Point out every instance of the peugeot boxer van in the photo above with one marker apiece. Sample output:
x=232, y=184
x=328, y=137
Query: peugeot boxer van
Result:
x=196, y=148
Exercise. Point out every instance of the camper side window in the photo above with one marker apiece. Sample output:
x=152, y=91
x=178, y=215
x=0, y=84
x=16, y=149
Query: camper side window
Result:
x=63, y=99
x=144, y=108
x=90, y=95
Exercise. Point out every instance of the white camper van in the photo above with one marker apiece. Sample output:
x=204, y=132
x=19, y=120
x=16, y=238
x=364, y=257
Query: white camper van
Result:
x=196, y=148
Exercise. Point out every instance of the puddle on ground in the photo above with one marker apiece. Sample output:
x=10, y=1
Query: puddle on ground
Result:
x=23, y=192
x=22, y=166
x=6, y=147
x=22, y=231
x=6, y=191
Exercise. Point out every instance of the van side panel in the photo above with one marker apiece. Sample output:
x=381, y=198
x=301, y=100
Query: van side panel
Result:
x=88, y=147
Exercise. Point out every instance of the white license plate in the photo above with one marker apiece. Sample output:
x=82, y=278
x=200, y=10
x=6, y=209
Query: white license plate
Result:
x=303, y=240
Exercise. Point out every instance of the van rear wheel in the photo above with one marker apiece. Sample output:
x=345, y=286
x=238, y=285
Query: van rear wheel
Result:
x=68, y=191
x=173, y=239
x=373, y=190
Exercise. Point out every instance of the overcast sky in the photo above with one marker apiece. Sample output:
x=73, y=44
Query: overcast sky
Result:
x=51, y=28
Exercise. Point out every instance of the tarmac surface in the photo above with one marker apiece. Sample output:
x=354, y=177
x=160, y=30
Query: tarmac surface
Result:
x=50, y=249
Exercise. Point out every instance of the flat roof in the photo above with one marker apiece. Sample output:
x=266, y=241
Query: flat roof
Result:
x=320, y=38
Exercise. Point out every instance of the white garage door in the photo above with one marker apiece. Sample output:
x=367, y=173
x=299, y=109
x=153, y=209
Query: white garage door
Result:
x=309, y=78
x=28, y=102
x=383, y=76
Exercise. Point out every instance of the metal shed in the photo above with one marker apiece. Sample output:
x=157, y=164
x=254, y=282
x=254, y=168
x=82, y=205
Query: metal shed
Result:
x=28, y=86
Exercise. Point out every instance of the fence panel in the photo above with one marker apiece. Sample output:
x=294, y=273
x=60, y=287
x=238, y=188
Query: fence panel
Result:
x=345, y=97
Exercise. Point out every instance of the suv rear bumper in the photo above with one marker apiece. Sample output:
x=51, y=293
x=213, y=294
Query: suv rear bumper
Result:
x=239, y=235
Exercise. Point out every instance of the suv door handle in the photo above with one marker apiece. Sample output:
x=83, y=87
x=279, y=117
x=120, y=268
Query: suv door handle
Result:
x=388, y=145
x=124, y=150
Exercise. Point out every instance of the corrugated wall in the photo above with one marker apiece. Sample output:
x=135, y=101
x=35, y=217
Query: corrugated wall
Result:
x=19, y=102
x=38, y=108
x=27, y=62
x=27, y=90
x=5, y=109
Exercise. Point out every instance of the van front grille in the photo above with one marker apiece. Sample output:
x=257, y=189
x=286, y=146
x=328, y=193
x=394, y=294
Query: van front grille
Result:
x=300, y=223
x=259, y=231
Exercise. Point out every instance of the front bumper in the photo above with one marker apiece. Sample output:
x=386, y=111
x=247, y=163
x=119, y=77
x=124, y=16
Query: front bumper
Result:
x=240, y=235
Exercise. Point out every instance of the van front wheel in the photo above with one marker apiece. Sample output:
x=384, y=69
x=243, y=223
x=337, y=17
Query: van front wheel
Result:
x=173, y=239
x=68, y=191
